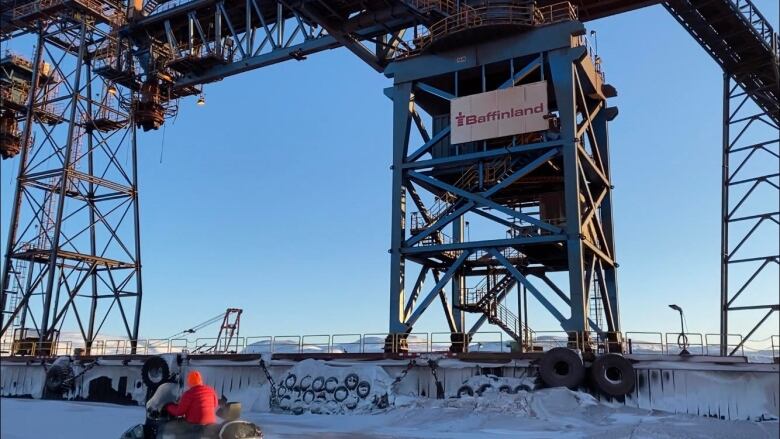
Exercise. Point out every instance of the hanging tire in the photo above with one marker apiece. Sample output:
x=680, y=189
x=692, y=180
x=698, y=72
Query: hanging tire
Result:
x=340, y=394
x=332, y=407
x=465, y=390
x=363, y=389
x=506, y=388
x=613, y=375
x=523, y=388
x=318, y=384
x=351, y=381
x=331, y=384
x=290, y=380
x=308, y=397
x=483, y=388
x=561, y=367
x=285, y=402
x=155, y=371
x=281, y=391
x=305, y=382
x=351, y=402
x=59, y=379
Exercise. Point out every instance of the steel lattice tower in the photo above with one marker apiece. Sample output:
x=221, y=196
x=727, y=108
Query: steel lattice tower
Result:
x=750, y=240
x=74, y=225
x=545, y=195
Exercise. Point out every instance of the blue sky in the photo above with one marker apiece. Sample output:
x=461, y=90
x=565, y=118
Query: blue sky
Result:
x=275, y=196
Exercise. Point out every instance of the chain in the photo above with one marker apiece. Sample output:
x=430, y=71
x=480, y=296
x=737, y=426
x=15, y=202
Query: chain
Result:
x=85, y=370
x=409, y=367
x=439, y=387
x=274, y=398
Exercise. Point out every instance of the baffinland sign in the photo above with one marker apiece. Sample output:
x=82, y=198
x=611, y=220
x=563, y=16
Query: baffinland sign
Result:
x=505, y=112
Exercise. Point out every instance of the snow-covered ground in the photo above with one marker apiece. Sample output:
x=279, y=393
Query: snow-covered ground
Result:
x=548, y=413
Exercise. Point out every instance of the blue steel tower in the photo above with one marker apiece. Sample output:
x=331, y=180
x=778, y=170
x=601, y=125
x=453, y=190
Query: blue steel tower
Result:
x=538, y=202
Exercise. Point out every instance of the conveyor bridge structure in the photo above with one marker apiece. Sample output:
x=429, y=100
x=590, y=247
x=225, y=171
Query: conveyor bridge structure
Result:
x=103, y=69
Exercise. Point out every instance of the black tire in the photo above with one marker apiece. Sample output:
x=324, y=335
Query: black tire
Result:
x=483, y=388
x=331, y=384
x=506, y=388
x=318, y=384
x=363, y=389
x=298, y=410
x=561, y=367
x=321, y=397
x=332, y=407
x=155, y=371
x=523, y=388
x=308, y=397
x=465, y=390
x=290, y=380
x=59, y=379
x=351, y=381
x=305, y=382
x=613, y=375
x=285, y=402
x=281, y=391
x=352, y=402
x=340, y=394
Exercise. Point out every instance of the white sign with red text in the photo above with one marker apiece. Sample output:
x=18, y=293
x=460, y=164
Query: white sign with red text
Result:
x=504, y=112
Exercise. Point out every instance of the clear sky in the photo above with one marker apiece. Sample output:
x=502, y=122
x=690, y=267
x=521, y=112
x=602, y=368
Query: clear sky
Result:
x=275, y=196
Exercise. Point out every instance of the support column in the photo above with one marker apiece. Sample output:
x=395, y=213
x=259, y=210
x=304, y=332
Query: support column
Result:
x=601, y=130
x=400, y=94
x=459, y=280
x=562, y=73
x=137, y=225
x=724, y=212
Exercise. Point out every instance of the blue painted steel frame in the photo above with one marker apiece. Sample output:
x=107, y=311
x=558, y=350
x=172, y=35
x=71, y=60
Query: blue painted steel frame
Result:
x=552, y=46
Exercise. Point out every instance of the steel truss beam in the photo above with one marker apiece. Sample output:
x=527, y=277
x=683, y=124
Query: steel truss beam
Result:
x=241, y=35
x=750, y=227
x=450, y=184
x=73, y=251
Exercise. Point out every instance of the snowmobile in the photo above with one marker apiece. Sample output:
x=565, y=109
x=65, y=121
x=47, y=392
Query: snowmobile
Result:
x=160, y=425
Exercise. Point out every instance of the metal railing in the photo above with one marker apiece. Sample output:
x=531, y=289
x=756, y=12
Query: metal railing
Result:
x=689, y=341
x=425, y=6
x=36, y=348
x=471, y=18
x=481, y=14
x=756, y=21
x=490, y=341
x=645, y=342
x=732, y=341
x=111, y=12
x=632, y=342
x=555, y=13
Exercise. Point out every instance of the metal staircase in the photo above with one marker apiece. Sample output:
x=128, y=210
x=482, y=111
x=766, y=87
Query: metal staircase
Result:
x=151, y=6
x=486, y=298
x=596, y=309
x=493, y=173
x=19, y=276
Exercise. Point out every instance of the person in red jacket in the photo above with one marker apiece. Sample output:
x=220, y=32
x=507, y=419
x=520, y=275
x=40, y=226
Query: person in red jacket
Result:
x=198, y=405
